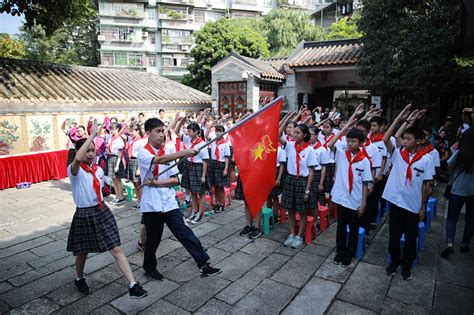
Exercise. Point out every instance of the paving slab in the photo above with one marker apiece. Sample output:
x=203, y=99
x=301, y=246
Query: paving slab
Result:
x=318, y=249
x=106, y=310
x=238, y=289
x=288, y=251
x=314, y=298
x=228, y=216
x=195, y=293
x=261, y=246
x=163, y=307
x=297, y=271
x=237, y=264
x=213, y=307
x=183, y=272
x=330, y=271
x=205, y=228
x=328, y=238
x=233, y=243
x=391, y=306
x=30, y=244
x=38, y=306
x=49, y=248
x=344, y=308
x=156, y=290
x=453, y=299
x=457, y=268
x=358, y=291
x=262, y=299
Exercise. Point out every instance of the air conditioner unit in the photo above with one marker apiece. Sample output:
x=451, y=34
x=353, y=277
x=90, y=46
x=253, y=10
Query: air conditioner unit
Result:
x=144, y=34
x=101, y=38
x=184, y=47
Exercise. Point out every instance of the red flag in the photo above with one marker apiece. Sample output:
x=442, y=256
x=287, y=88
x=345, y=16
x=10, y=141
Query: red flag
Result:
x=255, y=143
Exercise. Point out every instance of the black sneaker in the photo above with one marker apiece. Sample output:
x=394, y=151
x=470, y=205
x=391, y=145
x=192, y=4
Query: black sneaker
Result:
x=137, y=292
x=464, y=248
x=188, y=204
x=120, y=201
x=246, y=230
x=82, y=286
x=217, y=209
x=338, y=259
x=373, y=226
x=346, y=262
x=406, y=273
x=391, y=269
x=255, y=233
x=210, y=271
x=222, y=209
x=155, y=275
x=447, y=251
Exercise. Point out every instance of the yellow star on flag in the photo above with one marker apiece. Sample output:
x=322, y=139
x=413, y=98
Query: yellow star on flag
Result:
x=257, y=153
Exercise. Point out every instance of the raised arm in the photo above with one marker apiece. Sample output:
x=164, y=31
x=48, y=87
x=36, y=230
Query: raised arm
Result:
x=350, y=124
x=63, y=126
x=391, y=130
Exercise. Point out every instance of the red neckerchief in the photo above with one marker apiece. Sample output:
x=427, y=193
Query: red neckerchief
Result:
x=96, y=183
x=364, y=152
x=366, y=143
x=216, y=151
x=289, y=138
x=178, y=144
x=326, y=140
x=377, y=138
x=298, y=149
x=161, y=152
x=429, y=148
x=406, y=157
x=357, y=158
x=193, y=144
x=317, y=145
x=342, y=135
x=130, y=146
x=112, y=142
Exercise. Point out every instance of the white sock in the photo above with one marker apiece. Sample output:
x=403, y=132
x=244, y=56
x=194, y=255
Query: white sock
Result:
x=132, y=284
x=77, y=279
x=187, y=197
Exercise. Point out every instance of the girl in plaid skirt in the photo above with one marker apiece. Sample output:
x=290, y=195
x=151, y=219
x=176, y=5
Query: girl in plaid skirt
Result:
x=219, y=177
x=93, y=228
x=273, y=201
x=297, y=187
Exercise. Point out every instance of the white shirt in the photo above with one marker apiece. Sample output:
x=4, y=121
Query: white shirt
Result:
x=361, y=174
x=281, y=156
x=402, y=192
x=224, y=151
x=375, y=157
x=117, y=144
x=307, y=159
x=382, y=152
x=137, y=145
x=82, y=186
x=203, y=154
x=322, y=157
x=156, y=199
x=389, y=156
x=324, y=139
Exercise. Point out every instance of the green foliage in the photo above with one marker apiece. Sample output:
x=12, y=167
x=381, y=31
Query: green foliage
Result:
x=49, y=14
x=7, y=136
x=172, y=14
x=409, y=46
x=215, y=41
x=344, y=28
x=11, y=48
x=286, y=28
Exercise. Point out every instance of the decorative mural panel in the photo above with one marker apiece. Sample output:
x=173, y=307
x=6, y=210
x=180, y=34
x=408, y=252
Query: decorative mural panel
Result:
x=8, y=136
x=40, y=135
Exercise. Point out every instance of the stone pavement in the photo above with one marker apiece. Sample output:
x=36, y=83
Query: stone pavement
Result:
x=260, y=276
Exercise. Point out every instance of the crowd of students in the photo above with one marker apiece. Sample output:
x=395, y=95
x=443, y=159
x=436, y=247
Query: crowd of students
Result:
x=351, y=164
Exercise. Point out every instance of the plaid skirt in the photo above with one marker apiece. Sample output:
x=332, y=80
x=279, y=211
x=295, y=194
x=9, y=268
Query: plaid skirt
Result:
x=277, y=190
x=111, y=162
x=328, y=180
x=71, y=154
x=239, y=190
x=216, y=179
x=132, y=167
x=182, y=167
x=192, y=178
x=293, y=194
x=314, y=197
x=93, y=230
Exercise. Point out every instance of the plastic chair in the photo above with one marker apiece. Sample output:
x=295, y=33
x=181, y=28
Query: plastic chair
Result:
x=228, y=195
x=421, y=236
x=130, y=189
x=267, y=219
x=323, y=213
x=282, y=215
x=360, y=241
x=310, y=232
x=433, y=204
x=428, y=218
x=180, y=195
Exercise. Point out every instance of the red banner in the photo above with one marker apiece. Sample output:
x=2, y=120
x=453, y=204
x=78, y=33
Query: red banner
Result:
x=255, y=143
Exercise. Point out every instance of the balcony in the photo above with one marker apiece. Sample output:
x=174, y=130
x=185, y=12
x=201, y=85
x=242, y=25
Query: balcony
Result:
x=187, y=2
x=123, y=10
x=174, y=72
x=250, y=5
x=166, y=39
x=122, y=60
x=179, y=24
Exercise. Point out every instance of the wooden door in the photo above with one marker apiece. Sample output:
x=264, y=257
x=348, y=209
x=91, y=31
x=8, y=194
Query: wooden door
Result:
x=232, y=97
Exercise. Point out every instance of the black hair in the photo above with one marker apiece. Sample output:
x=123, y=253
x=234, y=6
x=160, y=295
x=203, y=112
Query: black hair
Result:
x=438, y=138
x=364, y=123
x=79, y=143
x=161, y=110
x=331, y=123
x=378, y=120
x=115, y=126
x=137, y=127
x=316, y=130
x=305, y=130
x=465, y=158
x=384, y=120
x=141, y=114
x=153, y=123
x=195, y=127
x=355, y=133
x=293, y=123
x=82, y=126
x=220, y=128
x=415, y=132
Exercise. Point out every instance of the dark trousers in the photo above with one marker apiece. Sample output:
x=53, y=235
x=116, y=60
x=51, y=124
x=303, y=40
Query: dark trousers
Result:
x=455, y=205
x=402, y=221
x=154, y=222
x=372, y=209
x=346, y=217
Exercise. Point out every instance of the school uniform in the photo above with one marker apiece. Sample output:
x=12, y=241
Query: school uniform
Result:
x=159, y=206
x=192, y=177
x=404, y=192
x=115, y=146
x=371, y=151
x=374, y=199
x=322, y=159
x=133, y=147
x=219, y=152
x=353, y=170
x=298, y=165
x=93, y=227
x=281, y=162
x=331, y=165
x=434, y=155
x=71, y=153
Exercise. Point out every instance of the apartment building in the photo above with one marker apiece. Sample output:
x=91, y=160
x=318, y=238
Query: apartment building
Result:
x=157, y=35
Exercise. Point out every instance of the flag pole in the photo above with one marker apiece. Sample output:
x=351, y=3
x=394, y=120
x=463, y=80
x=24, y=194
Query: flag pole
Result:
x=240, y=123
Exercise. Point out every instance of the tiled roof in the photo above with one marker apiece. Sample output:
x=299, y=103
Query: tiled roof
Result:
x=327, y=53
x=28, y=82
x=267, y=71
x=276, y=62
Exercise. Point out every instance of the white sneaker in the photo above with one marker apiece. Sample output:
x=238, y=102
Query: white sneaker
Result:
x=196, y=219
x=289, y=240
x=114, y=201
x=297, y=242
x=191, y=217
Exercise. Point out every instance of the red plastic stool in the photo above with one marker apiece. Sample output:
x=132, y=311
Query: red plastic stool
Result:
x=310, y=232
x=228, y=194
x=323, y=213
x=282, y=215
x=233, y=186
x=180, y=195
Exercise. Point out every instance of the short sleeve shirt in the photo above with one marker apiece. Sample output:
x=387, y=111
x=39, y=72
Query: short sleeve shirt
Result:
x=307, y=159
x=82, y=186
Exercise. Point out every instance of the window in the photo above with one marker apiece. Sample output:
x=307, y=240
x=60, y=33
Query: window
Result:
x=151, y=12
x=167, y=62
x=135, y=60
x=214, y=16
x=107, y=58
x=199, y=16
x=120, y=59
x=152, y=37
x=152, y=60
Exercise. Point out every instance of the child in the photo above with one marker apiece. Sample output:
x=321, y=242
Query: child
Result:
x=324, y=137
x=194, y=178
x=115, y=165
x=252, y=229
x=220, y=154
x=297, y=187
x=133, y=174
x=350, y=191
x=407, y=192
x=322, y=158
x=158, y=203
x=93, y=228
